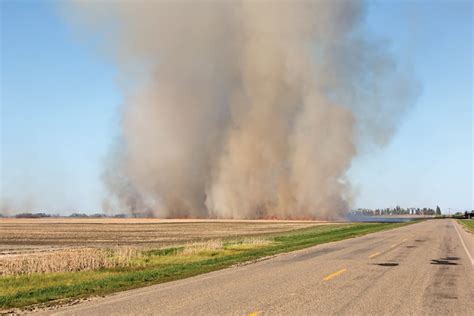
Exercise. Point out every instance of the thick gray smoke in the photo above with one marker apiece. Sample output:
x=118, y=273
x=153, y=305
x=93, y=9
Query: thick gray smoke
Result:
x=245, y=109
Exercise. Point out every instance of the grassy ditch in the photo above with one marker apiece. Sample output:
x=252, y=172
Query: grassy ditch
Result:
x=468, y=223
x=162, y=265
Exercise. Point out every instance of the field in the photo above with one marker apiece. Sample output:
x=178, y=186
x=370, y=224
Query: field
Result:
x=468, y=223
x=33, y=235
x=46, y=260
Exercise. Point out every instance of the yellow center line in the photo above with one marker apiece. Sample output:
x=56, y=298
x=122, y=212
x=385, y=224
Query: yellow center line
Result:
x=374, y=255
x=335, y=274
x=395, y=245
x=255, y=313
x=392, y=246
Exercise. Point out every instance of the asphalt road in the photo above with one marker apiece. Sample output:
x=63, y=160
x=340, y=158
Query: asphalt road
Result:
x=421, y=269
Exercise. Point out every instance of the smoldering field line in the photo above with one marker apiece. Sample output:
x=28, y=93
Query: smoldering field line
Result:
x=244, y=109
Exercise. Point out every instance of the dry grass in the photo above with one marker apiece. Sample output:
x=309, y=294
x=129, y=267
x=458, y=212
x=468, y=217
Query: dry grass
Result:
x=88, y=259
x=196, y=248
x=255, y=241
x=215, y=245
x=70, y=260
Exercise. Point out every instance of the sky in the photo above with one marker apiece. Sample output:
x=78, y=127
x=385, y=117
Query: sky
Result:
x=60, y=110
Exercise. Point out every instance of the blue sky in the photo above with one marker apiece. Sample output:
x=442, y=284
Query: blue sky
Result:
x=60, y=105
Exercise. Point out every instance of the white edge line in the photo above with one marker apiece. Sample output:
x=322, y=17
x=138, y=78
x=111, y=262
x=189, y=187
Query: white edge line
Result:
x=463, y=244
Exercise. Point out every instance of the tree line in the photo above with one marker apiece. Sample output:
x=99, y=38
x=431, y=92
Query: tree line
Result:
x=397, y=210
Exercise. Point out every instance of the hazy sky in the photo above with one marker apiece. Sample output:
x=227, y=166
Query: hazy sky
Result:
x=60, y=110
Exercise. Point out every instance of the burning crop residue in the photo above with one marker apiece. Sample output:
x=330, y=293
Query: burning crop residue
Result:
x=244, y=109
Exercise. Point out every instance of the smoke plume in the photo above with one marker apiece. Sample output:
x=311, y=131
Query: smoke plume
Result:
x=244, y=109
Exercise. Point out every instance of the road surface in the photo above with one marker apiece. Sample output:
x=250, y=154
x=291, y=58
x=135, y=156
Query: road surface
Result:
x=423, y=269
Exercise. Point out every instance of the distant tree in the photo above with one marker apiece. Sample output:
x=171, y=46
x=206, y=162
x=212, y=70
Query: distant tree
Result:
x=78, y=215
x=32, y=215
x=438, y=210
x=397, y=210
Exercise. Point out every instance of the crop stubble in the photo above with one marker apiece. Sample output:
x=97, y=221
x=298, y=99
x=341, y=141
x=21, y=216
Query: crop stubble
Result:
x=20, y=236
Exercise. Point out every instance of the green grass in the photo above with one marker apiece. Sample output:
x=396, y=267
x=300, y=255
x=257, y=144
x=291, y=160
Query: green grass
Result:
x=469, y=223
x=157, y=266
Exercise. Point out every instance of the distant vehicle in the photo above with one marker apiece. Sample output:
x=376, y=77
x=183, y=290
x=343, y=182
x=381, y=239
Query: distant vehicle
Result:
x=469, y=215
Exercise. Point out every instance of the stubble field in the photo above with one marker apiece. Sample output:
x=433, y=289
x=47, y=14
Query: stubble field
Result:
x=36, y=235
